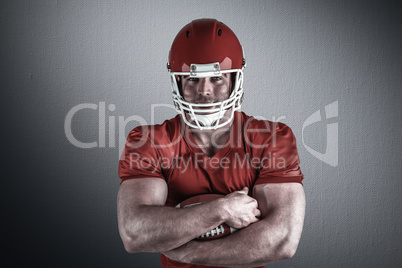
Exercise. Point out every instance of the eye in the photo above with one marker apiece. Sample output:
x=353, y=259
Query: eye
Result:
x=188, y=78
x=216, y=78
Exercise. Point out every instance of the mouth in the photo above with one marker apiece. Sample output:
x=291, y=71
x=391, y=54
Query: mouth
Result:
x=207, y=107
x=206, y=102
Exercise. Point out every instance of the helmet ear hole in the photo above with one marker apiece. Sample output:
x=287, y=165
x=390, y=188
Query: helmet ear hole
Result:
x=188, y=34
x=179, y=84
x=233, y=81
x=220, y=32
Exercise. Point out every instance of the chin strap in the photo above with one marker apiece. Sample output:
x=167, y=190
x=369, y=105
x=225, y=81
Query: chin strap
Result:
x=207, y=120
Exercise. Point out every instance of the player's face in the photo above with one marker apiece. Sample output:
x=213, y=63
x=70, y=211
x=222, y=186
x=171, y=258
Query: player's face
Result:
x=206, y=90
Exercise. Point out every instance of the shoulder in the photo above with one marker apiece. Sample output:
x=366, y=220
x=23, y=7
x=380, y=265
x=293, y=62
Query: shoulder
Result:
x=261, y=132
x=163, y=133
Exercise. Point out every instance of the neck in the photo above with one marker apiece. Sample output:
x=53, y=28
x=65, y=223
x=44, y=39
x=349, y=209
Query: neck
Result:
x=211, y=134
x=210, y=141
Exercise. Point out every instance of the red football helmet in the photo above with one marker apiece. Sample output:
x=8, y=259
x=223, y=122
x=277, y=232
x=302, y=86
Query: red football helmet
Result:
x=204, y=48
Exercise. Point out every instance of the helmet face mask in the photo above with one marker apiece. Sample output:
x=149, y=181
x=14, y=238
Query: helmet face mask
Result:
x=208, y=115
x=207, y=48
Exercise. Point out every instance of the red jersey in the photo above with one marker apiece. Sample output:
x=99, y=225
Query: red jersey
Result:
x=256, y=152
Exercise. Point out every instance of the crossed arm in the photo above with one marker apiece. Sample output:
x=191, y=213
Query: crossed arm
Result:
x=146, y=225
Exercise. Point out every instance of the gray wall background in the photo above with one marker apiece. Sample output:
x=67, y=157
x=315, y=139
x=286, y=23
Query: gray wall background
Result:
x=59, y=201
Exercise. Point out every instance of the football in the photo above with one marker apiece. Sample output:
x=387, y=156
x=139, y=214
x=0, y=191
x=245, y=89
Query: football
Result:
x=218, y=232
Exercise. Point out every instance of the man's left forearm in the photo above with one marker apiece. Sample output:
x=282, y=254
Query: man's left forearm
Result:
x=256, y=245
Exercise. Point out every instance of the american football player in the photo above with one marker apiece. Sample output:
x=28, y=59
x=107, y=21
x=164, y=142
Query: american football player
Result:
x=210, y=147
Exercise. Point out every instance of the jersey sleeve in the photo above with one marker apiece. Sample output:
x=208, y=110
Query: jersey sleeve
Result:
x=279, y=160
x=140, y=158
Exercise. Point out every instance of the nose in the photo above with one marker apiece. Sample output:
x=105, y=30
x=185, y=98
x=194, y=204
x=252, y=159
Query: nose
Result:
x=205, y=87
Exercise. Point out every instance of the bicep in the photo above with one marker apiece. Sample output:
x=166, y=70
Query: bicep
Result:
x=285, y=197
x=135, y=193
x=283, y=207
x=146, y=191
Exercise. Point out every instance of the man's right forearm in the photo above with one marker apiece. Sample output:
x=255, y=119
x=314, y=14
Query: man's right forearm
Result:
x=146, y=225
x=150, y=228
